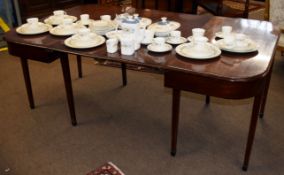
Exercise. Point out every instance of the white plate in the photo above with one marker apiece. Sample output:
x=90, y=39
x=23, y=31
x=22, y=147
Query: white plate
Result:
x=187, y=50
x=114, y=34
x=85, y=22
x=95, y=41
x=42, y=28
x=146, y=42
x=50, y=20
x=221, y=35
x=172, y=40
x=162, y=29
x=154, y=48
x=251, y=47
x=61, y=30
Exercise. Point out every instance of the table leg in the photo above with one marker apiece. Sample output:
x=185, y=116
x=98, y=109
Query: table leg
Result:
x=252, y=128
x=124, y=76
x=68, y=86
x=26, y=73
x=207, y=101
x=79, y=65
x=194, y=6
x=264, y=95
x=175, y=120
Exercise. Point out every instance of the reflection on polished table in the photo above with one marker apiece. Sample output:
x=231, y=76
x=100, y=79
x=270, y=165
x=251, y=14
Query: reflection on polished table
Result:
x=230, y=76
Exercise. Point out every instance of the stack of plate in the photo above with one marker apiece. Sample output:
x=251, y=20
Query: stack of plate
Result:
x=66, y=30
x=101, y=27
x=27, y=29
x=77, y=42
x=55, y=20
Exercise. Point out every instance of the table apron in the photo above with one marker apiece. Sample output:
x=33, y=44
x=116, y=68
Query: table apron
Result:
x=214, y=86
x=32, y=53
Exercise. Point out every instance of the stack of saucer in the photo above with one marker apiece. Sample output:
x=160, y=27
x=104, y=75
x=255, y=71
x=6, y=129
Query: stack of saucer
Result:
x=33, y=27
x=101, y=27
x=66, y=28
x=58, y=17
x=159, y=45
x=84, y=39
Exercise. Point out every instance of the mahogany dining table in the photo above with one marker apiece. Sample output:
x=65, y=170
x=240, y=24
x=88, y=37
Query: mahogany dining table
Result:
x=229, y=76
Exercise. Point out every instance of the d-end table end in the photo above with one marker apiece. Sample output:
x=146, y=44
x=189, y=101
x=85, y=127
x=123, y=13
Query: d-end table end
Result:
x=245, y=168
x=173, y=153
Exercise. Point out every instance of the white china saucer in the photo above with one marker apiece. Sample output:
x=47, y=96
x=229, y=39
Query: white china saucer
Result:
x=146, y=42
x=41, y=28
x=172, y=40
x=75, y=42
x=221, y=35
x=250, y=47
x=50, y=20
x=114, y=34
x=61, y=30
x=85, y=23
x=187, y=50
x=159, y=49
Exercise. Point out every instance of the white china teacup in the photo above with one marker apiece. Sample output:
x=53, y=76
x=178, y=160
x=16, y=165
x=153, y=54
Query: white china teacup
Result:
x=198, y=32
x=84, y=34
x=67, y=22
x=32, y=22
x=84, y=18
x=159, y=41
x=241, y=40
x=226, y=30
x=112, y=45
x=105, y=17
x=148, y=36
x=229, y=40
x=59, y=12
x=175, y=35
x=200, y=43
x=127, y=44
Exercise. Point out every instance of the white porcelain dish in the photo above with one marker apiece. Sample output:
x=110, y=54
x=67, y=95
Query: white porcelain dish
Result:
x=159, y=49
x=251, y=46
x=221, y=35
x=40, y=28
x=187, y=50
x=76, y=43
x=175, y=41
x=53, y=21
x=85, y=22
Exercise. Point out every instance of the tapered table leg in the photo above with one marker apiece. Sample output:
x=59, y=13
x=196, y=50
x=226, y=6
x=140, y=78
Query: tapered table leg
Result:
x=26, y=73
x=175, y=120
x=79, y=65
x=124, y=76
x=68, y=86
x=252, y=128
x=264, y=95
x=207, y=101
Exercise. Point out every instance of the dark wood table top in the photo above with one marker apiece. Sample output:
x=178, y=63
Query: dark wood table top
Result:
x=229, y=66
